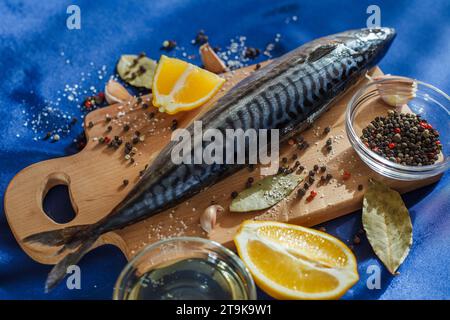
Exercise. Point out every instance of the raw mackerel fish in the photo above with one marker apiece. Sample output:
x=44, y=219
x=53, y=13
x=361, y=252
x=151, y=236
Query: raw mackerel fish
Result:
x=288, y=94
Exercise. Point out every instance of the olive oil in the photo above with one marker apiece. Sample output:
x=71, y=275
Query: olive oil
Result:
x=193, y=278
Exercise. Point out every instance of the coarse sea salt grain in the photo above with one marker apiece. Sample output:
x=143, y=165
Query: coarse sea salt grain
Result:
x=49, y=118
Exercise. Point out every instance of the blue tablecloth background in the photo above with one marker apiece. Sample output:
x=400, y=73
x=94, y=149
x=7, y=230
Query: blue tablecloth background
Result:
x=33, y=35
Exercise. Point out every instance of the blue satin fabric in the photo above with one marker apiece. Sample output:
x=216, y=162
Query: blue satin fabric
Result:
x=33, y=35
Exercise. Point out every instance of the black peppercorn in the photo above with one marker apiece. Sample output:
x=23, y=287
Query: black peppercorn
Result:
x=301, y=192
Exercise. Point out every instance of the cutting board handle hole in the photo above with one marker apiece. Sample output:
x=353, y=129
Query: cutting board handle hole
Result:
x=56, y=202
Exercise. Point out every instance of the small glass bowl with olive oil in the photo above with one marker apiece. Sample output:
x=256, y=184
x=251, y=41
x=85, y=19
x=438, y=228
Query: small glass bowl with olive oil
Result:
x=185, y=268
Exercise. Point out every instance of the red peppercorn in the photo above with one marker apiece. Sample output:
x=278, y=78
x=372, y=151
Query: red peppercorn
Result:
x=101, y=94
x=397, y=130
x=425, y=125
x=88, y=104
x=346, y=175
x=311, y=196
x=438, y=142
x=391, y=145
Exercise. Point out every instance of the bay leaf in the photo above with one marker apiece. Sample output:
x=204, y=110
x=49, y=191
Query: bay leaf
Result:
x=265, y=193
x=387, y=223
x=136, y=70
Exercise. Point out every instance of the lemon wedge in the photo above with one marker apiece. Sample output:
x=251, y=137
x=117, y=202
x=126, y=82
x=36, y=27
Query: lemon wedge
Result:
x=293, y=262
x=181, y=86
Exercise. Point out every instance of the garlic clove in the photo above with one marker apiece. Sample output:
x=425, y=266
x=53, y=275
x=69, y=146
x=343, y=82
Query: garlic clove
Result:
x=211, y=60
x=116, y=93
x=396, y=91
x=208, y=218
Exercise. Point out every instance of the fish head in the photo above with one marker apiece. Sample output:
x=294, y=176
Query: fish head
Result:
x=371, y=43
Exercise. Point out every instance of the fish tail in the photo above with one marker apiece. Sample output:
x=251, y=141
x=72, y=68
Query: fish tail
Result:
x=59, y=271
x=70, y=236
x=80, y=238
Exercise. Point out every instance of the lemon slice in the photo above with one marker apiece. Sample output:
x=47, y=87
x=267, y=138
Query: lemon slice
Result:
x=293, y=262
x=181, y=86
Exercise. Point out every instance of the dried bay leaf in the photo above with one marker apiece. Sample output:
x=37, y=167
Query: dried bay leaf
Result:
x=137, y=70
x=387, y=223
x=265, y=193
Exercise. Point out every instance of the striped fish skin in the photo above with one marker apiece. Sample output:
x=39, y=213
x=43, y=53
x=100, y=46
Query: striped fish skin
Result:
x=289, y=94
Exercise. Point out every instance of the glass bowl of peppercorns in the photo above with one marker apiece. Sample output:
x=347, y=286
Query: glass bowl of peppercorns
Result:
x=400, y=127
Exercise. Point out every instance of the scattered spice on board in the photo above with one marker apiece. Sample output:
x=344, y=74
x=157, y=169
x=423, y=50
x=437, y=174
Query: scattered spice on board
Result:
x=346, y=175
x=311, y=196
x=301, y=192
x=403, y=138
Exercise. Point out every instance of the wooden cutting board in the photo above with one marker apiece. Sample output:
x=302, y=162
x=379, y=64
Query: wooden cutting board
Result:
x=95, y=180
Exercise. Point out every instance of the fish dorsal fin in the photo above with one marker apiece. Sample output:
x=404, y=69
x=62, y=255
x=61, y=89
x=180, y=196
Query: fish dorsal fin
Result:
x=322, y=51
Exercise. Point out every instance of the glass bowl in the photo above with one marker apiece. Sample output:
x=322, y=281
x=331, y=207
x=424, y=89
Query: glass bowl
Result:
x=185, y=268
x=429, y=102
